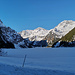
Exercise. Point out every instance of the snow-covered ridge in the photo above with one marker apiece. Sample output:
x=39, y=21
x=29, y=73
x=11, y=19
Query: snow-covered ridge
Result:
x=8, y=35
x=36, y=34
x=59, y=31
x=11, y=35
x=64, y=27
x=40, y=33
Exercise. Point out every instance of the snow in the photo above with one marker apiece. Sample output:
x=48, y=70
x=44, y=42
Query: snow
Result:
x=11, y=35
x=37, y=34
x=17, y=46
x=63, y=28
x=11, y=70
x=57, y=44
x=39, y=61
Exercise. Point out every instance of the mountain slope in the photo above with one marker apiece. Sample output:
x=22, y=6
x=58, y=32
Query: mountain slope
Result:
x=8, y=35
x=34, y=35
x=70, y=36
x=9, y=38
x=63, y=28
x=50, y=35
x=67, y=41
x=4, y=43
x=59, y=31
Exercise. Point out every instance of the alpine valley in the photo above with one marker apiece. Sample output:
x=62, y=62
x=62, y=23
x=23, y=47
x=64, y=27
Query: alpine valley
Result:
x=38, y=37
x=27, y=60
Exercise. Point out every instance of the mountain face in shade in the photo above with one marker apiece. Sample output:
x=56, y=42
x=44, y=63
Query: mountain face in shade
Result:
x=8, y=35
x=9, y=38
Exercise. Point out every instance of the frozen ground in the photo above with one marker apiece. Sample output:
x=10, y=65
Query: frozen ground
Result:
x=11, y=70
x=39, y=61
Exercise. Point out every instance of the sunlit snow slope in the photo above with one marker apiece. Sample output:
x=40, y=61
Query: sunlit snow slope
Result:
x=63, y=28
x=34, y=35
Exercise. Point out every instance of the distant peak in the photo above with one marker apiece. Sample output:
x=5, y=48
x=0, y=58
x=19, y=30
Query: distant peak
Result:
x=39, y=28
x=67, y=21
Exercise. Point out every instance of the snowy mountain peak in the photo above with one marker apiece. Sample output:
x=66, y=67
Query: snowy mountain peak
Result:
x=66, y=22
x=40, y=33
x=39, y=29
x=59, y=31
x=36, y=34
x=64, y=27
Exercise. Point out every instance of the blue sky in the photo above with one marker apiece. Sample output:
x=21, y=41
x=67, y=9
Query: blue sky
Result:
x=30, y=14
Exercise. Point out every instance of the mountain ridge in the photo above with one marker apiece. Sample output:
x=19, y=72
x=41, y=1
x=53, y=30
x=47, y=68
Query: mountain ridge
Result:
x=59, y=31
x=37, y=35
x=51, y=35
x=34, y=35
x=67, y=41
x=9, y=38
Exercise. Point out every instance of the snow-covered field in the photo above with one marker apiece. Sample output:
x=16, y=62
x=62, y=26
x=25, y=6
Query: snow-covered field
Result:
x=39, y=61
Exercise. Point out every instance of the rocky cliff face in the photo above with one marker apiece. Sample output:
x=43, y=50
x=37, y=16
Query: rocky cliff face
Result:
x=8, y=35
x=51, y=38
x=5, y=44
x=11, y=35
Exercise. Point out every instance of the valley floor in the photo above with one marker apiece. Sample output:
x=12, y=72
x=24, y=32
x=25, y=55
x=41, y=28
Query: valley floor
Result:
x=39, y=61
